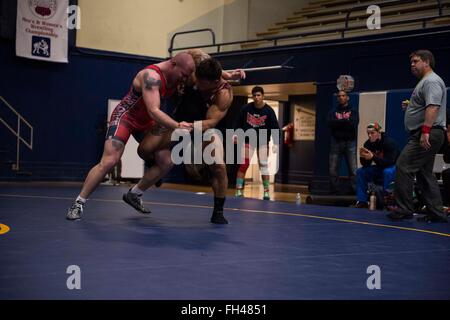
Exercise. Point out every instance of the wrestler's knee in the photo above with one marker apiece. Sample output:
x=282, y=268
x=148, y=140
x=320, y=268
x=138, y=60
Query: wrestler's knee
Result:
x=164, y=162
x=143, y=153
x=219, y=171
x=108, y=162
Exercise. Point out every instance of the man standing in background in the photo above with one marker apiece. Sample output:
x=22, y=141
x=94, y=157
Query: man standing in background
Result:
x=256, y=115
x=343, y=122
x=425, y=118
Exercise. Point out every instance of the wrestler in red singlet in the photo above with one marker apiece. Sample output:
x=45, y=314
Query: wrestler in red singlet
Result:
x=131, y=117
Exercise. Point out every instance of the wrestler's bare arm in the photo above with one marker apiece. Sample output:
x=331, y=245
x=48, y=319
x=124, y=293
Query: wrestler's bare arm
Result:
x=149, y=83
x=218, y=110
x=237, y=74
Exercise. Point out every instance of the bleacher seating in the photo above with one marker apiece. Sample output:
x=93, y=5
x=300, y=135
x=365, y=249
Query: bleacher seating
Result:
x=329, y=16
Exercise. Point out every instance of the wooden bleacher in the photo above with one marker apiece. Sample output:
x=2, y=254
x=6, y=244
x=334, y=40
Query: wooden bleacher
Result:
x=326, y=16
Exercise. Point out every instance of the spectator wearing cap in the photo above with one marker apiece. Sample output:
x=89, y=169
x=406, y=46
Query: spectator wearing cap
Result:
x=377, y=157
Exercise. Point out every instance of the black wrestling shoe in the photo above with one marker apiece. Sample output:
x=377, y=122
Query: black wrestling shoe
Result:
x=158, y=183
x=135, y=201
x=218, y=218
x=398, y=215
x=75, y=211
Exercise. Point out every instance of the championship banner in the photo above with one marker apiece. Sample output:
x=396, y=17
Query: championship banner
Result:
x=42, y=30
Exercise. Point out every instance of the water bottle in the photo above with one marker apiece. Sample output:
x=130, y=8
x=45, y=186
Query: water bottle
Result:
x=298, y=199
x=373, y=201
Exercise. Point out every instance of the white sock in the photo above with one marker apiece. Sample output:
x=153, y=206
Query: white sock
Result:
x=81, y=200
x=137, y=191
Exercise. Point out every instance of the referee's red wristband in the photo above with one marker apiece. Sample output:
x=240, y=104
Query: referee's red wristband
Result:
x=426, y=129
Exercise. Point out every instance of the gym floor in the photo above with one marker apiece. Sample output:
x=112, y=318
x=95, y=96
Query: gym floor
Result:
x=271, y=250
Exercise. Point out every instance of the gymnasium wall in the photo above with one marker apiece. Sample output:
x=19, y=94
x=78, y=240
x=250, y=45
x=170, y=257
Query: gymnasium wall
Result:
x=140, y=26
x=298, y=161
x=145, y=27
x=67, y=103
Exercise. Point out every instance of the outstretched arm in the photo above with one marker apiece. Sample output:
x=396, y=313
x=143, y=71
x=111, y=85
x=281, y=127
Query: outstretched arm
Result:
x=237, y=74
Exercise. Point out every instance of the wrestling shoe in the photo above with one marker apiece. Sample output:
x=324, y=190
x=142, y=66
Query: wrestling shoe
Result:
x=75, y=211
x=239, y=193
x=135, y=201
x=218, y=218
x=266, y=195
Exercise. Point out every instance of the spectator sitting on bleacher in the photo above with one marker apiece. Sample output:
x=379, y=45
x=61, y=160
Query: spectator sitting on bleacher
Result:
x=382, y=151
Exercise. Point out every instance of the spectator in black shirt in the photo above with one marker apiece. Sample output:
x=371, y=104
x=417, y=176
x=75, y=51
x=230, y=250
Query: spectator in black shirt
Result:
x=343, y=122
x=257, y=116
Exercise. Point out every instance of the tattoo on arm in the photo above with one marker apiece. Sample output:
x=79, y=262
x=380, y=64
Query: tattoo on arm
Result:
x=117, y=145
x=150, y=82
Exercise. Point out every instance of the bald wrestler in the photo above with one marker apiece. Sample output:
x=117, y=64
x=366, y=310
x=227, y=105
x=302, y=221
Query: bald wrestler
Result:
x=138, y=112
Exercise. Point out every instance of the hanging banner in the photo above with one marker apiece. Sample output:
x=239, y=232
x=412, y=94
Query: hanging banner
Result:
x=42, y=30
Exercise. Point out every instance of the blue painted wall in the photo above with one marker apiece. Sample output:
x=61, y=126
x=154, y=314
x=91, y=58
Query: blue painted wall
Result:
x=395, y=115
x=66, y=104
